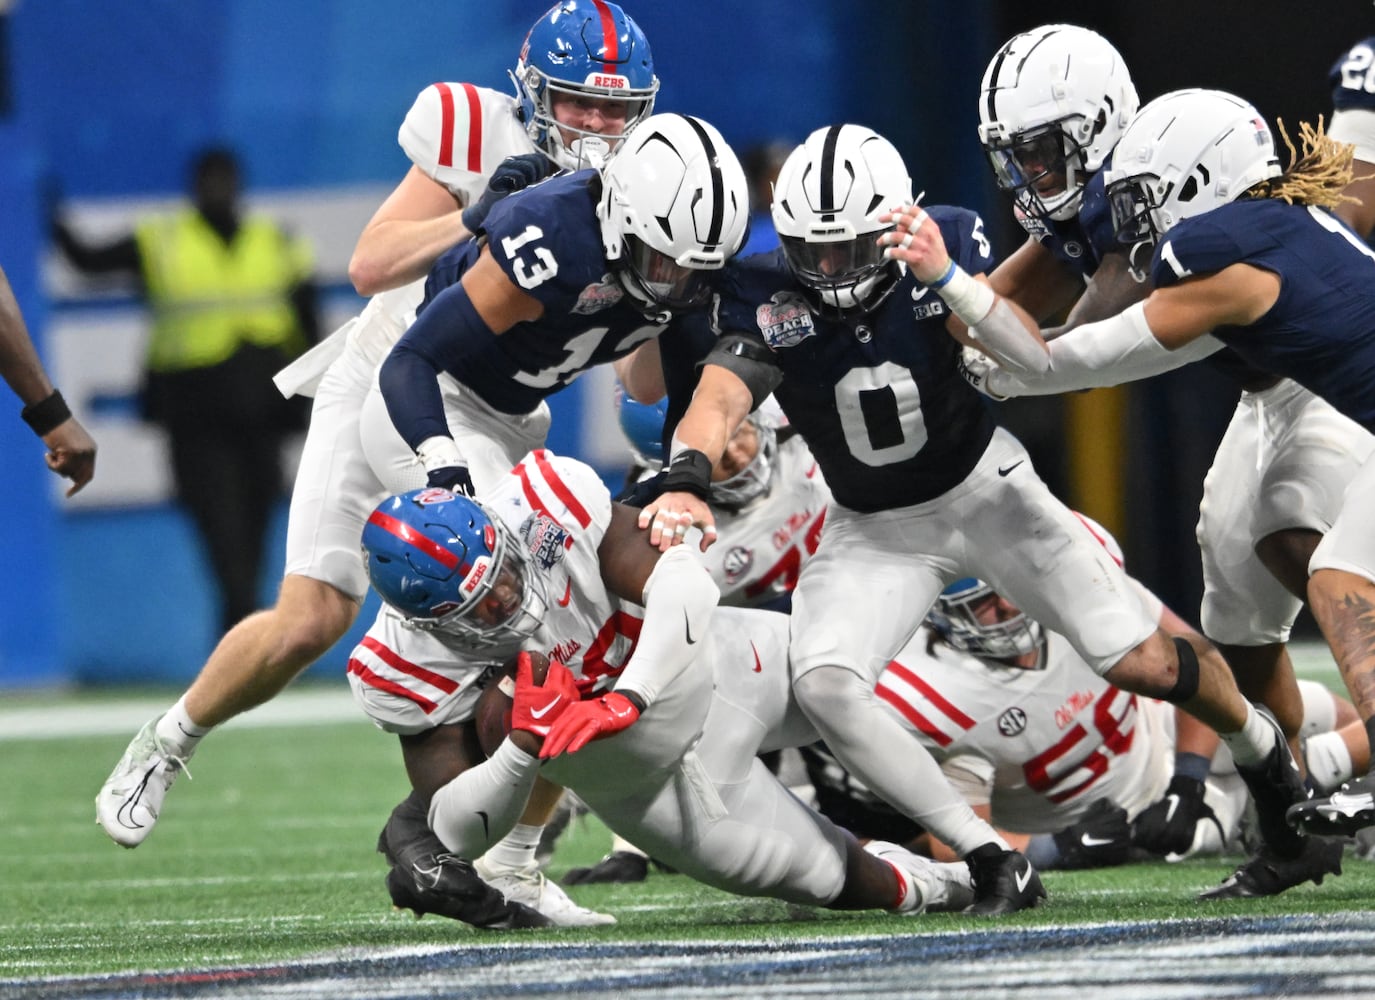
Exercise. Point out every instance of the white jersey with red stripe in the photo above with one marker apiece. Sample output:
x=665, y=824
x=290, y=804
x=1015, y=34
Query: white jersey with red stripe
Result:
x=458, y=134
x=1047, y=742
x=408, y=680
x=760, y=548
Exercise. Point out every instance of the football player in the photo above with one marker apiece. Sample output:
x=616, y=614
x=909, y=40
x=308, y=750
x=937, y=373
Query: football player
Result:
x=654, y=708
x=1246, y=254
x=856, y=350
x=1353, y=121
x=1052, y=107
x=585, y=76
x=1042, y=745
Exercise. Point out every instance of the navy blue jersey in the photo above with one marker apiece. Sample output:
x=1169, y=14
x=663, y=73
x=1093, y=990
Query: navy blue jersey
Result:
x=548, y=242
x=877, y=396
x=1084, y=240
x=1321, y=330
x=1352, y=77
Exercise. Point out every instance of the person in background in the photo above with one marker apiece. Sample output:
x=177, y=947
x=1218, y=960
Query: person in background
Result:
x=71, y=450
x=231, y=301
x=762, y=163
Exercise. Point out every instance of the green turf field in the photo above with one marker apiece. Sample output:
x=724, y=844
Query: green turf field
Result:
x=268, y=854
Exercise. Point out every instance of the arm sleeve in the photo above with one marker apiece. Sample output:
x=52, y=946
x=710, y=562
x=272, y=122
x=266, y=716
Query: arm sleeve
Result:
x=678, y=599
x=442, y=336
x=1112, y=351
x=751, y=361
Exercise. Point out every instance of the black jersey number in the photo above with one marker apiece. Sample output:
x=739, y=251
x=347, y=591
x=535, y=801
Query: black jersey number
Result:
x=880, y=413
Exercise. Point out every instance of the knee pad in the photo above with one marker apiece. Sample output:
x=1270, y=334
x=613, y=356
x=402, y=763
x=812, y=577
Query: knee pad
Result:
x=1186, y=682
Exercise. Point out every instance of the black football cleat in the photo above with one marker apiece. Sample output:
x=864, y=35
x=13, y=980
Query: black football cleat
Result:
x=1343, y=813
x=1266, y=875
x=1275, y=784
x=426, y=878
x=618, y=866
x=1004, y=881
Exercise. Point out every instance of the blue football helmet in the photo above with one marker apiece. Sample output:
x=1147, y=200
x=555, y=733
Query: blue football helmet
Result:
x=643, y=427
x=584, y=48
x=955, y=620
x=446, y=564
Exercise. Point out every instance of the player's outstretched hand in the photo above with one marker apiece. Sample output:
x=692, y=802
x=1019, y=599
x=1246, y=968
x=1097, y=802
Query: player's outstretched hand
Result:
x=536, y=707
x=916, y=241
x=669, y=516
x=587, y=721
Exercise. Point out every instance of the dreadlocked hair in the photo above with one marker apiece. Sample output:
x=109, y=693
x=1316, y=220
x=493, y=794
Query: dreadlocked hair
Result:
x=1317, y=176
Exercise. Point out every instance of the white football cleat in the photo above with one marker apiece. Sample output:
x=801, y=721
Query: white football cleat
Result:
x=928, y=886
x=529, y=886
x=128, y=804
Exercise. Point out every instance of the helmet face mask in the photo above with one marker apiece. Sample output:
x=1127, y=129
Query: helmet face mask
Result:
x=1185, y=153
x=1053, y=104
x=827, y=200
x=956, y=618
x=583, y=51
x=755, y=478
x=447, y=566
x=674, y=205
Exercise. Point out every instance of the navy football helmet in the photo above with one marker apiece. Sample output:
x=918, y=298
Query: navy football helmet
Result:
x=826, y=204
x=446, y=564
x=585, y=49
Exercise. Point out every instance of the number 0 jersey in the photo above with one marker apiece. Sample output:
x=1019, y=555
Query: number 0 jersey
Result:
x=877, y=396
x=1319, y=332
x=410, y=680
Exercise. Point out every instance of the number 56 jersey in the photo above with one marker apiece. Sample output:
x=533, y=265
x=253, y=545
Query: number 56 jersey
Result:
x=1047, y=743
x=408, y=680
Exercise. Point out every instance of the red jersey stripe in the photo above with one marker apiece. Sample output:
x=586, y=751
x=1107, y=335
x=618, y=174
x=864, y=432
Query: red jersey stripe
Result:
x=532, y=496
x=389, y=656
x=560, y=488
x=613, y=54
x=391, y=687
x=410, y=536
x=933, y=696
x=446, y=124
x=912, y=715
x=474, y=129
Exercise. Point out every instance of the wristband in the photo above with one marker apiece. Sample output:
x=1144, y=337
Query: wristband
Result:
x=968, y=298
x=46, y=415
x=944, y=279
x=689, y=472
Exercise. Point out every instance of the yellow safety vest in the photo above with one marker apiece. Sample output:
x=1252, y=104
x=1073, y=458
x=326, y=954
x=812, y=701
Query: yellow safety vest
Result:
x=208, y=299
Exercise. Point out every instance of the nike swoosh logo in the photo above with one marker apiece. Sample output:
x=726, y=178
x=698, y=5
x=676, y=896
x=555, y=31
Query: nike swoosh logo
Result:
x=539, y=713
x=811, y=472
x=758, y=667
x=687, y=630
x=1004, y=471
x=1173, y=801
x=486, y=831
x=433, y=873
x=1089, y=840
x=1347, y=804
x=567, y=594
x=1023, y=879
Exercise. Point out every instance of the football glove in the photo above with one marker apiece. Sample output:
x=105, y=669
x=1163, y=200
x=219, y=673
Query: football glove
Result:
x=977, y=369
x=512, y=174
x=454, y=478
x=1168, y=826
x=535, y=708
x=587, y=721
x=1101, y=838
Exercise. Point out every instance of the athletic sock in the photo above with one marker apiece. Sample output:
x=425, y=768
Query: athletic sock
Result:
x=1252, y=743
x=516, y=850
x=178, y=733
x=1328, y=759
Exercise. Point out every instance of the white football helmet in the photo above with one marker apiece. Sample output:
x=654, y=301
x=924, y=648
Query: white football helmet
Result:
x=826, y=204
x=675, y=204
x=1053, y=104
x=1186, y=152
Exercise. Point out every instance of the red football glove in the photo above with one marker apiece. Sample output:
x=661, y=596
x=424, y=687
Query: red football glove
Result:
x=535, y=708
x=587, y=721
